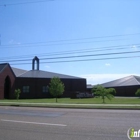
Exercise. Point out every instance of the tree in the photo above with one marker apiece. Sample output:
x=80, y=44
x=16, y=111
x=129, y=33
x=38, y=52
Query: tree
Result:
x=100, y=91
x=137, y=92
x=17, y=93
x=56, y=87
x=112, y=91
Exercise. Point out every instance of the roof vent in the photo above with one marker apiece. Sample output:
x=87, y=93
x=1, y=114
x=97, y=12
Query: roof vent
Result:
x=33, y=63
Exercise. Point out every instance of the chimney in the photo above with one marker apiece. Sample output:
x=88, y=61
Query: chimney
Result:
x=33, y=63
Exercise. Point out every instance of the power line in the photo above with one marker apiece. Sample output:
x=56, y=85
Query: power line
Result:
x=94, y=59
x=31, y=2
x=67, y=41
x=90, y=55
x=78, y=51
x=60, y=44
x=68, y=57
x=81, y=60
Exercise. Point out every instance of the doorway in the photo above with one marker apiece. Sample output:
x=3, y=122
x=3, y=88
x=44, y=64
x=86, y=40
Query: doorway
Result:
x=7, y=87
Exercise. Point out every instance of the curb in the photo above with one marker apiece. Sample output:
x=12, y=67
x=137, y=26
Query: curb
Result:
x=76, y=106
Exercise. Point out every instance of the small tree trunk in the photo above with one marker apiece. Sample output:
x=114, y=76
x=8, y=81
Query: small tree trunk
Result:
x=103, y=99
x=17, y=97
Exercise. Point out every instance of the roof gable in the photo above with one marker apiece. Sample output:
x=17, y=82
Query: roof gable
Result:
x=137, y=78
x=3, y=66
x=126, y=81
x=18, y=72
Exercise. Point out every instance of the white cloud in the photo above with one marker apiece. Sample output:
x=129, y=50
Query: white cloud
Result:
x=47, y=66
x=134, y=47
x=14, y=42
x=107, y=64
x=102, y=78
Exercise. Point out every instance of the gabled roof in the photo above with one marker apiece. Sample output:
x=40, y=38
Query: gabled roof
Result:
x=3, y=66
x=126, y=81
x=18, y=72
x=45, y=74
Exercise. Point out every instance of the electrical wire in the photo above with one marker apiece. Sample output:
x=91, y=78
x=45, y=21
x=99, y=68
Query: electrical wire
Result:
x=60, y=44
x=68, y=57
x=91, y=55
x=74, y=39
x=77, y=51
x=29, y=2
x=124, y=57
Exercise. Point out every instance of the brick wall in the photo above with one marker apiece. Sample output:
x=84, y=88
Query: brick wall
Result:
x=36, y=84
x=6, y=72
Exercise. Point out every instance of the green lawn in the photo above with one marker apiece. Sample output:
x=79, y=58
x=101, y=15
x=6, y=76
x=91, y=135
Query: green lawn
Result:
x=80, y=101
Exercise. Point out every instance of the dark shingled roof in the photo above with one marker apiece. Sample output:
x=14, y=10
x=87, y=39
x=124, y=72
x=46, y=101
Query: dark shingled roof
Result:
x=3, y=66
x=35, y=73
x=45, y=74
x=18, y=72
x=126, y=81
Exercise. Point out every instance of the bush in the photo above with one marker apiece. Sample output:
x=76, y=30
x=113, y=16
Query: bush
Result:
x=17, y=93
x=137, y=93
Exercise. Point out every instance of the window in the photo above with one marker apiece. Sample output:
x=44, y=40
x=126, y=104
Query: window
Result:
x=25, y=89
x=45, y=89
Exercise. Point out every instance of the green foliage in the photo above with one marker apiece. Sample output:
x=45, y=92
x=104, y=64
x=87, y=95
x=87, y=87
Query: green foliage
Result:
x=56, y=87
x=137, y=93
x=112, y=91
x=100, y=91
x=17, y=93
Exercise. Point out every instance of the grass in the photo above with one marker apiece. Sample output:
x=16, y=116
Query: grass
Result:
x=78, y=101
x=90, y=103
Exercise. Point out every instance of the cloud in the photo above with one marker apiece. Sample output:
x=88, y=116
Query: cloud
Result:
x=103, y=78
x=47, y=66
x=107, y=64
x=134, y=47
x=14, y=42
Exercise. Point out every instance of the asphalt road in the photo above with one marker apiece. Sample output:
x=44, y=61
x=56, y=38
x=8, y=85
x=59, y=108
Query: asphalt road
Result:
x=21, y=123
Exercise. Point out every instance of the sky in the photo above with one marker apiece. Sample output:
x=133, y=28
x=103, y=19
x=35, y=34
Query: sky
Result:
x=103, y=34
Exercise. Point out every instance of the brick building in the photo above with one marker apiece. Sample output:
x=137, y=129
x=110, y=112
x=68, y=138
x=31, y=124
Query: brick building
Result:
x=34, y=83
